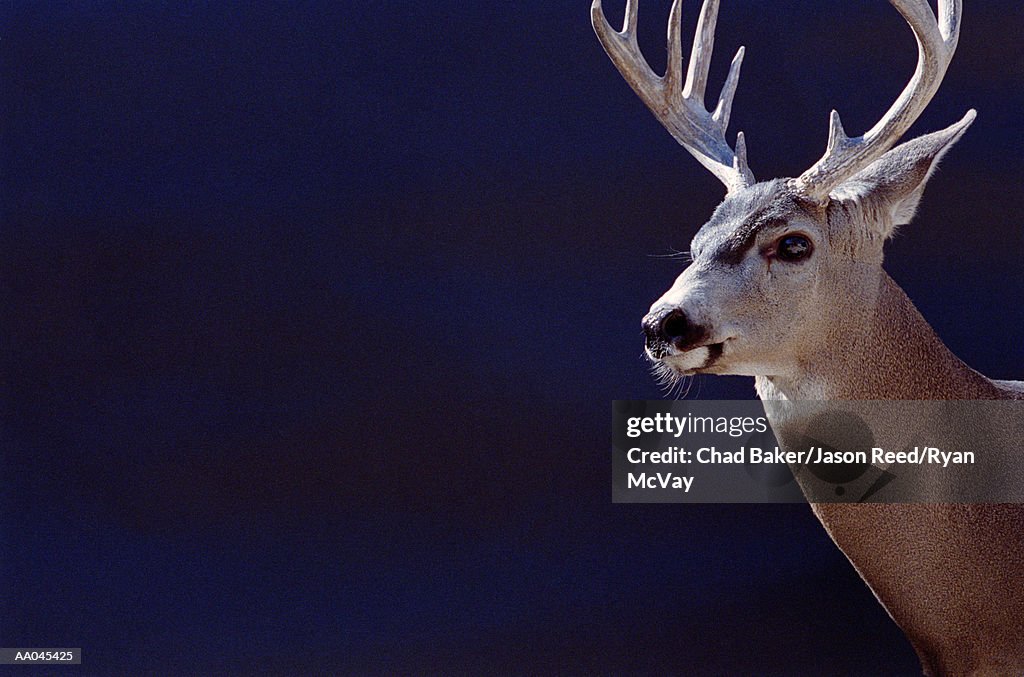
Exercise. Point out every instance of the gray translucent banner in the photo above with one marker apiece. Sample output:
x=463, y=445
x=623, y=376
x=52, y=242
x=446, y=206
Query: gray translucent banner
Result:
x=749, y=451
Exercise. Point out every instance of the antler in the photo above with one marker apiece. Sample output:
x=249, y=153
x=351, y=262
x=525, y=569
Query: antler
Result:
x=680, y=107
x=936, y=42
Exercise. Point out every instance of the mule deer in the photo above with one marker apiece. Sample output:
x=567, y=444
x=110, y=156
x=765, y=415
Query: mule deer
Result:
x=786, y=285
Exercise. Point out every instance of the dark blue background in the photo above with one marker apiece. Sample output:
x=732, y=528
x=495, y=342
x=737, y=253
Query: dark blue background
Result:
x=313, y=313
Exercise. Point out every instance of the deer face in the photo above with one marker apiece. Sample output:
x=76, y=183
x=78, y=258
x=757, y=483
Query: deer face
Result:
x=775, y=272
x=752, y=291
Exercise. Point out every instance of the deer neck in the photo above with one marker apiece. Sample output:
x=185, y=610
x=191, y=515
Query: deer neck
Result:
x=879, y=350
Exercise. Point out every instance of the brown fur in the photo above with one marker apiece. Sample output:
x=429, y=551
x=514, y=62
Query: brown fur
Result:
x=951, y=575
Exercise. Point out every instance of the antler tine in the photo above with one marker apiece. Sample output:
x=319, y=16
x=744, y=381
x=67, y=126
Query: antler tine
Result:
x=678, y=106
x=700, y=54
x=629, y=23
x=674, y=64
x=936, y=43
x=724, y=108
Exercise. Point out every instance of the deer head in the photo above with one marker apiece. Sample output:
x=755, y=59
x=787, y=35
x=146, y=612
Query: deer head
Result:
x=785, y=269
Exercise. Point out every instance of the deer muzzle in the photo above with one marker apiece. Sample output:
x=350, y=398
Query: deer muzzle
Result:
x=669, y=331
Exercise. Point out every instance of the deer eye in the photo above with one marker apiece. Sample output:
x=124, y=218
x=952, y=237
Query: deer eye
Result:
x=793, y=248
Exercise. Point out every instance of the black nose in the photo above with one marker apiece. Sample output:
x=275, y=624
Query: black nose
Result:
x=670, y=326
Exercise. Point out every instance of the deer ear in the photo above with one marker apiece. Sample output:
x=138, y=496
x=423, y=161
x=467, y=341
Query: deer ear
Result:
x=890, y=188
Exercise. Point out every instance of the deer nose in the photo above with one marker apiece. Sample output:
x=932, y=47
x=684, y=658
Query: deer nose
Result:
x=669, y=326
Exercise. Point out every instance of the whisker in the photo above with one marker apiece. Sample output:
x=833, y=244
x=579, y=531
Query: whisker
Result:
x=674, y=254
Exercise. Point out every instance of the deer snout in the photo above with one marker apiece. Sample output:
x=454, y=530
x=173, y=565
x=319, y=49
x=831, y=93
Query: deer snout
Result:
x=670, y=327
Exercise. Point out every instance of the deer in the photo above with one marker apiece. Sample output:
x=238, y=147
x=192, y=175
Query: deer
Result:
x=786, y=284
